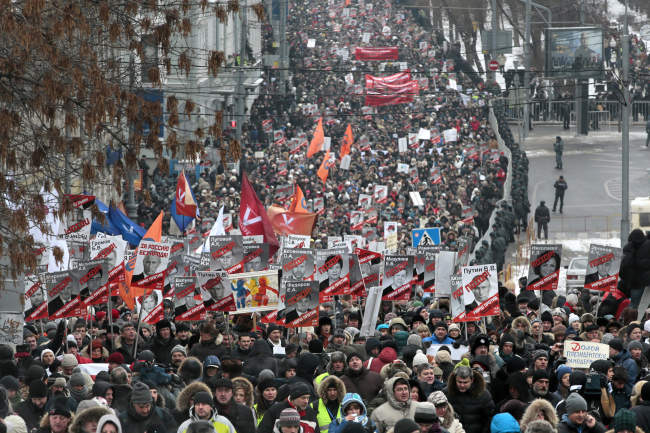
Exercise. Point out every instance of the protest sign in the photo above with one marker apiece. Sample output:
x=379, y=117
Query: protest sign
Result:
x=371, y=313
x=256, y=291
x=333, y=273
x=397, y=278
x=227, y=253
x=35, y=295
x=256, y=256
x=301, y=304
x=580, y=354
x=603, y=264
x=216, y=292
x=457, y=299
x=62, y=295
x=188, y=305
x=444, y=269
x=370, y=263
x=150, y=265
x=390, y=235
x=152, y=307
x=11, y=328
x=544, y=268
x=480, y=291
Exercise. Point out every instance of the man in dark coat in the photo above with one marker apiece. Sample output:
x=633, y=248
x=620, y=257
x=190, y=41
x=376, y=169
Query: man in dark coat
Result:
x=260, y=358
x=142, y=414
x=163, y=342
x=206, y=345
x=472, y=403
x=33, y=409
x=299, y=400
x=577, y=419
x=358, y=379
x=642, y=409
x=239, y=415
x=560, y=186
x=542, y=218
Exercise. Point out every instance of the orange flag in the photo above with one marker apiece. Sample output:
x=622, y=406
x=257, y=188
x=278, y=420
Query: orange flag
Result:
x=128, y=293
x=298, y=204
x=317, y=142
x=348, y=139
x=291, y=223
x=324, y=169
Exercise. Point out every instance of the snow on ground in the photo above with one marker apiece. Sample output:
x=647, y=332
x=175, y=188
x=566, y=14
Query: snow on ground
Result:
x=616, y=9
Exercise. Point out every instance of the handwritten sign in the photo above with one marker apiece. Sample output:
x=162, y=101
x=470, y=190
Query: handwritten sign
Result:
x=580, y=354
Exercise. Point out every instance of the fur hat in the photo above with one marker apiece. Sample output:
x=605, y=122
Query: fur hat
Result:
x=540, y=426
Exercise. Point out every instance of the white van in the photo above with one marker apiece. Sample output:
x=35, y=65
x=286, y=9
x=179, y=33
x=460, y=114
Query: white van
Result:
x=640, y=214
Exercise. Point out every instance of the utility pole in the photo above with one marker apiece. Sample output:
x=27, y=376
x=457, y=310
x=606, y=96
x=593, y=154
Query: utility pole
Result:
x=284, y=51
x=131, y=207
x=625, y=129
x=241, y=90
x=527, y=55
x=493, y=41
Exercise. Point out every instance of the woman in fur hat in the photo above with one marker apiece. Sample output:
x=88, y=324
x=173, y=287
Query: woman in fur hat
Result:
x=539, y=409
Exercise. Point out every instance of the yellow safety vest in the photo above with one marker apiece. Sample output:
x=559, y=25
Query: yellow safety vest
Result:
x=320, y=378
x=324, y=417
x=258, y=415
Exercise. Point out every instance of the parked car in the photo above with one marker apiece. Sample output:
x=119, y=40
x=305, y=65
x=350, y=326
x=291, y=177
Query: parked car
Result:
x=575, y=273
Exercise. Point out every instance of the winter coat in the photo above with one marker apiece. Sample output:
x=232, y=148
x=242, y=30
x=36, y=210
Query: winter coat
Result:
x=339, y=423
x=386, y=416
x=183, y=400
x=450, y=422
x=363, y=382
x=162, y=349
x=220, y=423
x=247, y=386
x=625, y=360
x=87, y=415
x=531, y=413
x=473, y=407
x=386, y=356
x=642, y=411
x=567, y=426
x=204, y=348
x=30, y=413
x=126, y=351
x=133, y=423
x=44, y=425
x=273, y=413
x=542, y=214
x=260, y=358
x=325, y=415
x=239, y=415
x=630, y=272
x=121, y=397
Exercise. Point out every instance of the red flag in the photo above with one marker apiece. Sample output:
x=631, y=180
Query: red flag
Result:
x=348, y=139
x=376, y=53
x=291, y=223
x=317, y=142
x=298, y=204
x=185, y=204
x=253, y=220
x=128, y=293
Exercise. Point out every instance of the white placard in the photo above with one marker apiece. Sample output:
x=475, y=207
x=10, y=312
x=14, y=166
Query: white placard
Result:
x=311, y=43
x=424, y=134
x=580, y=354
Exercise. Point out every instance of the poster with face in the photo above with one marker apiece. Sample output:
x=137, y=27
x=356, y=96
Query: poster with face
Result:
x=333, y=274
x=444, y=269
x=256, y=291
x=356, y=220
x=227, y=253
x=188, y=304
x=544, y=268
x=602, y=267
x=35, y=295
x=397, y=279
x=176, y=264
x=193, y=242
x=480, y=291
x=319, y=205
x=430, y=254
x=92, y=277
x=192, y=265
x=418, y=265
x=151, y=306
x=150, y=265
x=62, y=295
x=296, y=241
x=301, y=304
x=390, y=235
x=298, y=264
x=457, y=299
x=75, y=225
x=370, y=263
x=380, y=194
x=215, y=291
x=353, y=241
x=364, y=202
x=111, y=248
x=256, y=257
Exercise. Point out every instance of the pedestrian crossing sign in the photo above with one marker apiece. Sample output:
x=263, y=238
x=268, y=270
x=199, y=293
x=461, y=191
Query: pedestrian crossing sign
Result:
x=426, y=237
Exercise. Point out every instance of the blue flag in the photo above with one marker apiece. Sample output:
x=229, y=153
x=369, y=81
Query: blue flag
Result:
x=130, y=231
x=108, y=227
x=183, y=221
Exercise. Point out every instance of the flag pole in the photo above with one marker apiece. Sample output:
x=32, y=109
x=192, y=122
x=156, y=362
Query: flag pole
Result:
x=137, y=335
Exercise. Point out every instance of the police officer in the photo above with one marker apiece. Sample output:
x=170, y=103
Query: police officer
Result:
x=560, y=186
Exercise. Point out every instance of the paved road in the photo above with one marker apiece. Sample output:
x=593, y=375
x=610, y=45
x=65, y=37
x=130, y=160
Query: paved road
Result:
x=592, y=169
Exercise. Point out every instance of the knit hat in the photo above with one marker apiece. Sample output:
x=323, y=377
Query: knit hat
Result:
x=453, y=327
x=616, y=344
x=539, y=374
x=179, y=348
x=540, y=354
x=624, y=420
x=289, y=417
x=574, y=403
x=562, y=370
x=420, y=358
x=297, y=390
x=438, y=398
x=414, y=340
x=60, y=408
x=354, y=355
x=37, y=389
x=203, y=397
x=573, y=318
x=10, y=383
x=337, y=356
x=59, y=381
x=405, y=425
x=117, y=358
x=504, y=423
x=425, y=413
x=443, y=356
x=515, y=363
x=77, y=379
x=141, y=393
x=69, y=361
x=634, y=344
x=46, y=351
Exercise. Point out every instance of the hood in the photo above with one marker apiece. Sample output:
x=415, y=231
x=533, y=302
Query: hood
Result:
x=325, y=383
x=307, y=364
x=372, y=343
x=210, y=359
x=190, y=369
x=353, y=397
x=521, y=320
x=86, y=415
x=478, y=386
x=504, y=423
x=100, y=387
x=387, y=354
x=636, y=237
x=390, y=396
x=183, y=399
x=531, y=413
x=242, y=382
x=106, y=418
x=261, y=349
x=389, y=370
x=45, y=421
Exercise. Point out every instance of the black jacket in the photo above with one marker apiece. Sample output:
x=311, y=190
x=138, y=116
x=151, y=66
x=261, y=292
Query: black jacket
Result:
x=474, y=407
x=642, y=411
x=565, y=427
x=133, y=423
x=162, y=349
x=542, y=214
x=29, y=413
x=239, y=415
x=260, y=358
x=205, y=348
x=560, y=186
x=273, y=413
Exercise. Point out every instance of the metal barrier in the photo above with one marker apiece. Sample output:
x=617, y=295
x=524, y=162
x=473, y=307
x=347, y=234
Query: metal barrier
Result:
x=603, y=225
x=553, y=111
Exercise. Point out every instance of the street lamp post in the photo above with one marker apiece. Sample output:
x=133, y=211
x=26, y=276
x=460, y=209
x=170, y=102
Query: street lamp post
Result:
x=625, y=129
